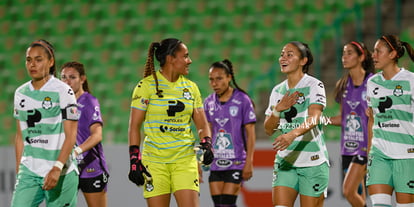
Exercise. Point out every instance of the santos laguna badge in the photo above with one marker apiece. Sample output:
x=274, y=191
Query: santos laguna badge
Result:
x=398, y=91
x=186, y=94
x=47, y=103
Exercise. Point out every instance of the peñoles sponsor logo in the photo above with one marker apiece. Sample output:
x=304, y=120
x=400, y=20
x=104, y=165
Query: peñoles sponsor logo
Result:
x=34, y=131
x=174, y=120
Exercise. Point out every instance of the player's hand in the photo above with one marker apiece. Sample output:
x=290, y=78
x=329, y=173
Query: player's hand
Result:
x=287, y=101
x=283, y=141
x=51, y=179
x=205, y=145
x=136, y=168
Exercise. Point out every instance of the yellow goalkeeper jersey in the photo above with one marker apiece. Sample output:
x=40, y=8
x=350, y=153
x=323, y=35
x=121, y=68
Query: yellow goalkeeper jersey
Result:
x=167, y=125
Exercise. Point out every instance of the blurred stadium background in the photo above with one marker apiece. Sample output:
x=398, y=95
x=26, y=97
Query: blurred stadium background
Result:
x=111, y=38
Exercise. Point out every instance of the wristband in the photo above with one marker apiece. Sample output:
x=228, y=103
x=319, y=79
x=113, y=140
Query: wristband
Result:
x=58, y=164
x=78, y=150
x=276, y=113
x=206, y=139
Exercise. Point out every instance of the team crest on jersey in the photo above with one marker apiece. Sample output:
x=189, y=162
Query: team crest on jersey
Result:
x=186, y=94
x=149, y=187
x=144, y=101
x=301, y=98
x=233, y=110
x=398, y=91
x=47, y=103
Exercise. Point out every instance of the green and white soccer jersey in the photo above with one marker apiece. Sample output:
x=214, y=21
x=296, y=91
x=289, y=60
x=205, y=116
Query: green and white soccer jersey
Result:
x=308, y=149
x=41, y=114
x=167, y=123
x=392, y=103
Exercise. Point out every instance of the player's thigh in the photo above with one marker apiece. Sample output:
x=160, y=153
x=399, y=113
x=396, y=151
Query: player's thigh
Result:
x=310, y=201
x=184, y=176
x=403, y=176
x=28, y=191
x=379, y=172
x=314, y=181
x=187, y=198
x=161, y=180
x=225, y=182
x=65, y=193
x=159, y=201
x=284, y=196
x=96, y=199
x=354, y=177
x=95, y=184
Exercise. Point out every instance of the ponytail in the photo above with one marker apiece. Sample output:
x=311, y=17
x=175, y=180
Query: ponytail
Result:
x=149, y=66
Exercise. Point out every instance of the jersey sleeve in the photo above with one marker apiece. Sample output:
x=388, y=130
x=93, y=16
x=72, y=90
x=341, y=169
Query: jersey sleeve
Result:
x=141, y=96
x=207, y=108
x=274, y=97
x=317, y=94
x=369, y=92
x=68, y=104
x=67, y=97
x=198, y=102
x=16, y=102
x=94, y=112
x=249, y=115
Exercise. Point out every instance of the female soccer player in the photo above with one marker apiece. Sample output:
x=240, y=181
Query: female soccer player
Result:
x=46, y=113
x=295, y=107
x=94, y=175
x=350, y=92
x=390, y=95
x=231, y=116
x=164, y=102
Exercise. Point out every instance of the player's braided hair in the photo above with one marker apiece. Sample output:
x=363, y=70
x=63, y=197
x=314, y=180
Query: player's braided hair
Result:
x=228, y=69
x=160, y=49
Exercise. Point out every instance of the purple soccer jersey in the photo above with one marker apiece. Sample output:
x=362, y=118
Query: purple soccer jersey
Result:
x=354, y=132
x=92, y=162
x=229, y=136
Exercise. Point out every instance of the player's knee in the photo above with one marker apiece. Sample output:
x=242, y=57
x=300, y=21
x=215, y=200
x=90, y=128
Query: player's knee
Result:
x=381, y=199
x=216, y=199
x=228, y=199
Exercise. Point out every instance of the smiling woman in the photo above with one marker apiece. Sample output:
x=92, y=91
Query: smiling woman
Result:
x=164, y=102
x=295, y=107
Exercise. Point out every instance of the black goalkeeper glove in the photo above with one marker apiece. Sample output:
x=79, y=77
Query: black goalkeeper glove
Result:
x=136, y=169
x=205, y=146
